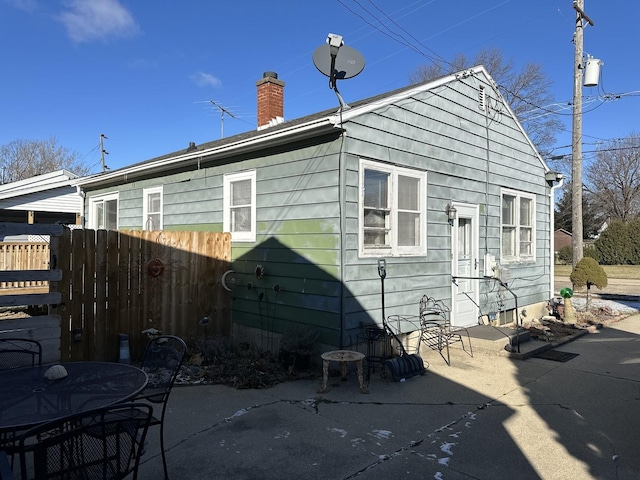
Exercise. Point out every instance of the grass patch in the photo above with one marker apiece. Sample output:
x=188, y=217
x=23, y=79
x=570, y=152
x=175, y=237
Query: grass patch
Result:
x=631, y=272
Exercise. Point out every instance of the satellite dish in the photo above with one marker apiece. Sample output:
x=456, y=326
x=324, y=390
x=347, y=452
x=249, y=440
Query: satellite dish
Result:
x=349, y=62
x=338, y=62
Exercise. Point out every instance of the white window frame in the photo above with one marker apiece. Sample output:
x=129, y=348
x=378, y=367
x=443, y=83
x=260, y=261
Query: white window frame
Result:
x=101, y=199
x=393, y=249
x=518, y=228
x=229, y=179
x=145, y=208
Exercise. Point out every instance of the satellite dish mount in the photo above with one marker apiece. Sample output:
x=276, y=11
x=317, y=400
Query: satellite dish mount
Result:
x=338, y=62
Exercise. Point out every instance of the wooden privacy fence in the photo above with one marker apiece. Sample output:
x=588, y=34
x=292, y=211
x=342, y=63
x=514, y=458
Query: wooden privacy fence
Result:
x=24, y=256
x=129, y=282
x=22, y=272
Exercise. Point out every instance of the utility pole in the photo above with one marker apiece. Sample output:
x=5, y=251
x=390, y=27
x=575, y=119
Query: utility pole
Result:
x=103, y=152
x=576, y=138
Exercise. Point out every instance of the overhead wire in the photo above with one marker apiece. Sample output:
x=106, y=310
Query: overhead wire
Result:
x=398, y=37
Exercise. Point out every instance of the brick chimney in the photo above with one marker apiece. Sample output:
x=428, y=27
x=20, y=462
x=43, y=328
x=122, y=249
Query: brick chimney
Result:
x=270, y=100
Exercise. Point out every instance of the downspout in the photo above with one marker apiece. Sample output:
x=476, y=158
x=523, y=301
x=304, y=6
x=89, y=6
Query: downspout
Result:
x=485, y=105
x=342, y=174
x=552, y=246
x=82, y=196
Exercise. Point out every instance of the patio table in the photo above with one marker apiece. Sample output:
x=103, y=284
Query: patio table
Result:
x=28, y=399
x=342, y=357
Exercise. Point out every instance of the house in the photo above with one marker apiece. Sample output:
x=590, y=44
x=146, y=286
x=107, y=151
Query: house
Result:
x=562, y=239
x=47, y=198
x=438, y=180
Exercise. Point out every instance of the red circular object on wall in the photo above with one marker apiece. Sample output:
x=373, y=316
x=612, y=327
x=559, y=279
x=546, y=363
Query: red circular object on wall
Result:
x=155, y=267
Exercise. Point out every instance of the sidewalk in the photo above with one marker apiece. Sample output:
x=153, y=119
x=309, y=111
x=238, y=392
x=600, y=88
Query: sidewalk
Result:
x=486, y=417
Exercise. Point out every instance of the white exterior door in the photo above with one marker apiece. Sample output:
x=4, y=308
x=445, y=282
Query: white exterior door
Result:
x=465, y=264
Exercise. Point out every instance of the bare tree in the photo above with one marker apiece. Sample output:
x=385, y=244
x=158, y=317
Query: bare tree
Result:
x=22, y=159
x=592, y=217
x=527, y=91
x=613, y=178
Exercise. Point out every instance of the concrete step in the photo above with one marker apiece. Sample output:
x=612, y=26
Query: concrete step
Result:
x=504, y=341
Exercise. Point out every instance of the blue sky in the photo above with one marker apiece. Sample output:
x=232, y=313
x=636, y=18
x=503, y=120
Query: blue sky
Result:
x=144, y=72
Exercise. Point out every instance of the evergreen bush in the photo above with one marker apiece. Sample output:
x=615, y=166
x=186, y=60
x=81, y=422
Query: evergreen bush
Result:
x=586, y=273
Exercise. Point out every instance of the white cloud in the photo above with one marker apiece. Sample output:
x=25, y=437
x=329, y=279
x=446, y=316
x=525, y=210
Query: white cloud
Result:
x=87, y=20
x=205, y=80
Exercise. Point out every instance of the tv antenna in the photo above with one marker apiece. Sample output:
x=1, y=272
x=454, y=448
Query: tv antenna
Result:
x=222, y=112
x=338, y=62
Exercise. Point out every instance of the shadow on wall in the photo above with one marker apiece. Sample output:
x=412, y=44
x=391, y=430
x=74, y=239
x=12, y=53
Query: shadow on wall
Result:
x=276, y=289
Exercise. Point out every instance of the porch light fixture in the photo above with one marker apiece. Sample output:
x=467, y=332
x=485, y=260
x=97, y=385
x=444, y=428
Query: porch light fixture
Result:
x=451, y=213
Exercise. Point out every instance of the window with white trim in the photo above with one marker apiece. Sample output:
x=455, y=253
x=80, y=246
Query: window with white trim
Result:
x=392, y=210
x=152, y=208
x=239, y=206
x=518, y=226
x=103, y=212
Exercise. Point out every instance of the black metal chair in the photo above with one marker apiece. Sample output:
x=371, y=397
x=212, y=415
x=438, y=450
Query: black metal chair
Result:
x=103, y=444
x=19, y=352
x=15, y=353
x=436, y=329
x=162, y=360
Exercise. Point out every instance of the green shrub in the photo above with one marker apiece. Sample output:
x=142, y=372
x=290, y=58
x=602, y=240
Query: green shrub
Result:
x=633, y=227
x=614, y=244
x=588, y=272
x=592, y=252
x=565, y=255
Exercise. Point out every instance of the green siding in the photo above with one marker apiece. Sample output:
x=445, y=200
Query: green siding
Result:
x=307, y=235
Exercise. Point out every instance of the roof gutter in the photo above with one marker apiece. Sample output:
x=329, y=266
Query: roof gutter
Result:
x=272, y=138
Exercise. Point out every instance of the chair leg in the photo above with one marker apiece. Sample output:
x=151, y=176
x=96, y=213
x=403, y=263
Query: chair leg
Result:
x=468, y=340
x=444, y=338
x=164, y=458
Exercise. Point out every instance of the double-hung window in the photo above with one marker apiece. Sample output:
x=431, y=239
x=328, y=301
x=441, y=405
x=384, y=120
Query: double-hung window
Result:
x=152, y=208
x=392, y=210
x=518, y=226
x=103, y=212
x=239, y=206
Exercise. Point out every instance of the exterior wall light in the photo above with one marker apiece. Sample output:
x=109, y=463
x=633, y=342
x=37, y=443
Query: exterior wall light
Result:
x=451, y=213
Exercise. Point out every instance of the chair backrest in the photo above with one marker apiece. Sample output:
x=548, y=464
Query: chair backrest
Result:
x=19, y=352
x=161, y=361
x=433, y=311
x=103, y=444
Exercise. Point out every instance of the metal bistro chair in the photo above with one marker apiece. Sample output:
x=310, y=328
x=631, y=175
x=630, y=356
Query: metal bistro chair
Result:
x=19, y=352
x=15, y=353
x=161, y=361
x=436, y=329
x=103, y=444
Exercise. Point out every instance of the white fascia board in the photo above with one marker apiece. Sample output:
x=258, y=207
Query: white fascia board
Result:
x=262, y=141
x=38, y=182
x=351, y=113
x=35, y=188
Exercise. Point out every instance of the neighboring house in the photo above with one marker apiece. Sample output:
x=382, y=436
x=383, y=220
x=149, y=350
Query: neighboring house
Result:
x=48, y=198
x=438, y=179
x=561, y=239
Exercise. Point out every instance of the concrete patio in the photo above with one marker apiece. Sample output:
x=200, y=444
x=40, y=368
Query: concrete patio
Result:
x=487, y=417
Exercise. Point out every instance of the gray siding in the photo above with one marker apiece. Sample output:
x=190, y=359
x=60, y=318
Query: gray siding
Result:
x=308, y=210
x=444, y=133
